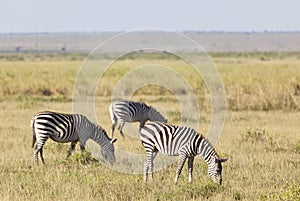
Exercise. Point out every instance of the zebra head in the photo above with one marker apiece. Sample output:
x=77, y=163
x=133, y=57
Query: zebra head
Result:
x=215, y=169
x=154, y=115
x=108, y=151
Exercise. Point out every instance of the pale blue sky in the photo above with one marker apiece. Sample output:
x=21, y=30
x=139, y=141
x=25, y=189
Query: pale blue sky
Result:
x=197, y=15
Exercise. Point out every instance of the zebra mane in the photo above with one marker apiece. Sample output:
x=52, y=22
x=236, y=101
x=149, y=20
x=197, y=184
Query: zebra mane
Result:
x=153, y=113
x=208, y=142
x=98, y=127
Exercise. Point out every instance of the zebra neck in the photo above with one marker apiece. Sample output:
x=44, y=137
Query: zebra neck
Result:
x=147, y=111
x=151, y=113
x=98, y=136
x=206, y=150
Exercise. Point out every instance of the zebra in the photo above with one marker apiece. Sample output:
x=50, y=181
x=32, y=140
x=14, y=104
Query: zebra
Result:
x=72, y=128
x=179, y=141
x=122, y=111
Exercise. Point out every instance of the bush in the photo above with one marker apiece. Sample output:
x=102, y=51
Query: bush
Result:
x=262, y=137
x=255, y=135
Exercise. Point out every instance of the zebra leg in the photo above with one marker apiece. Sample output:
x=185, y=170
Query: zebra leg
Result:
x=82, y=144
x=33, y=139
x=113, y=119
x=142, y=124
x=72, y=147
x=190, y=168
x=41, y=154
x=121, y=125
x=36, y=152
x=181, y=161
x=113, y=129
x=39, y=149
x=113, y=125
x=148, y=165
x=82, y=147
x=151, y=165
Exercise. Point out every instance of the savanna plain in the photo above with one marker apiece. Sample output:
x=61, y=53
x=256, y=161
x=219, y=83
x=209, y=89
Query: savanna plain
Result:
x=260, y=137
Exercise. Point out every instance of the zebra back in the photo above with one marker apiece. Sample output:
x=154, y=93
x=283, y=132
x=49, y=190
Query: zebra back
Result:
x=169, y=139
x=129, y=111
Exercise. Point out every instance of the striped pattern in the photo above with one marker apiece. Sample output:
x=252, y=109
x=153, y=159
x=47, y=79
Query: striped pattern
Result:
x=126, y=111
x=179, y=141
x=68, y=128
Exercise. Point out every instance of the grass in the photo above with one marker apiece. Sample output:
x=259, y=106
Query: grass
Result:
x=260, y=138
x=289, y=192
x=250, y=82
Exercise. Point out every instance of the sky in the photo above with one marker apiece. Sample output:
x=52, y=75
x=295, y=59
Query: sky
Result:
x=23, y=16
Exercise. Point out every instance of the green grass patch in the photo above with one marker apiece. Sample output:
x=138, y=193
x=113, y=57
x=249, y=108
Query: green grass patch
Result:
x=289, y=192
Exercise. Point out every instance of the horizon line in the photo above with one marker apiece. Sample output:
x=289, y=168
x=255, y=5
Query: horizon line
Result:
x=115, y=32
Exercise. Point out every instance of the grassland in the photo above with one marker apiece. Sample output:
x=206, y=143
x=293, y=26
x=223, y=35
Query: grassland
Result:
x=260, y=137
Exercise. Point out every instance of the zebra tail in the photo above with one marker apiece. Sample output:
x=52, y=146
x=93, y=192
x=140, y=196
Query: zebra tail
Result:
x=33, y=133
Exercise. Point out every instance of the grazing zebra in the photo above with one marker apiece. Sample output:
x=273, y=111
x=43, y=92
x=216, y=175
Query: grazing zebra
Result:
x=122, y=111
x=179, y=141
x=69, y=128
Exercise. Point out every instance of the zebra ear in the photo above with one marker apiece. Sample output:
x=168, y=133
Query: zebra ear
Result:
x=113, y=141
x=222, y=160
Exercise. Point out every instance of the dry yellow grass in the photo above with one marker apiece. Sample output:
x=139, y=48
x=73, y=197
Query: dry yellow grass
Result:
x=263, y=147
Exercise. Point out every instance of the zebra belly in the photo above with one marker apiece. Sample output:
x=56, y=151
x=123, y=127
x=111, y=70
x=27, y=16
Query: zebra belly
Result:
x=63, y=138
x=166, y=150
x=129, y=120
x=173, y=150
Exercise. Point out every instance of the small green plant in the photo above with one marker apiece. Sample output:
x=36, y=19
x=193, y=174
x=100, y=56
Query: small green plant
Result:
x=194, y=192
x=291, y=192
x=255, y=135
x=209, y=189
x=238, y=196
x=84, y=157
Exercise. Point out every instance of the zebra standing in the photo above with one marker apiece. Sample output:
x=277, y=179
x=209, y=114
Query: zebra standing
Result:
x=179, y=141
x=69, y=128
x=122, y=111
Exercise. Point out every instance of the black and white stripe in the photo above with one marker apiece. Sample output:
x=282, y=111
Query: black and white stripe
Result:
x=122, y=111
x=68, y=128
x=179, y=141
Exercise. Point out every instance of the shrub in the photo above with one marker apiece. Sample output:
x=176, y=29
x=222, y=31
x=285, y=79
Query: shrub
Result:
x=262, y=137
x=255, y=135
